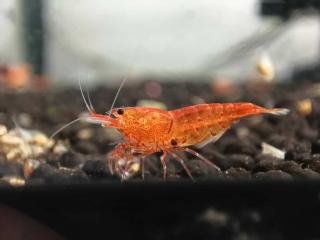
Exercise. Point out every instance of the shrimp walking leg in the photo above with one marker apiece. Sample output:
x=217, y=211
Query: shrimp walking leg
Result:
x=142, y=167
x=164, y=164
x=181, y=161
x=110, y=163
x=118, y=158
x=198, y=155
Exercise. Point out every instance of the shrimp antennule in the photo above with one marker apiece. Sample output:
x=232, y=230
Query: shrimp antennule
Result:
x=89, y=107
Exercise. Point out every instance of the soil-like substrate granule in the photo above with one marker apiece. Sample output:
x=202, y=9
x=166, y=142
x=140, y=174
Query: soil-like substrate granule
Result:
x=238, y=153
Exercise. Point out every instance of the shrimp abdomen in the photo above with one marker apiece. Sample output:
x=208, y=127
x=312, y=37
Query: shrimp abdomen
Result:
x=196, y=124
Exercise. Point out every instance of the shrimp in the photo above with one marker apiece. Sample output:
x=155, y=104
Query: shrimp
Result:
x=148, y=130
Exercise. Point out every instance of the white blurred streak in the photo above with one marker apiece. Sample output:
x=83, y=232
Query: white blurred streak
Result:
x=10, y=37
x=100, y=37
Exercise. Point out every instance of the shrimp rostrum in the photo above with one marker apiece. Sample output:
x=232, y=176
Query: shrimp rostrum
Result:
x=148, y=130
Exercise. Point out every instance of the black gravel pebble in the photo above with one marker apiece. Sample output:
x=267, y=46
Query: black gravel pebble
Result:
x=53, y=175
x=272, y=175
x=86, y=147
x=235, y=146
x=266, y=163
x=314, y=165
x=237, y=173
x=240, y=161
x=10, y=168
x=297, y=171
x=70, y=160
x=96, y=169
x=201, y=169
x=315, y=147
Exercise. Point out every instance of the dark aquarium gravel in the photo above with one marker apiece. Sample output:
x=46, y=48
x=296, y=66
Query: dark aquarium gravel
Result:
x=238, y=151
x=257, y=195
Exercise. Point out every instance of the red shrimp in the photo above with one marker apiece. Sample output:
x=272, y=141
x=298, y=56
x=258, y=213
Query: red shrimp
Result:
x=148, y=130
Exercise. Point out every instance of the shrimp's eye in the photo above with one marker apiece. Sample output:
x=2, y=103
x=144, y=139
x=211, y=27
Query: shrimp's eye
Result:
x=173, y=142
x=120, y=111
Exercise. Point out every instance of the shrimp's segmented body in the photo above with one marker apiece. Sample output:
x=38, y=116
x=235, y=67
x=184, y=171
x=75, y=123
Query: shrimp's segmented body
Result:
x=150, y=130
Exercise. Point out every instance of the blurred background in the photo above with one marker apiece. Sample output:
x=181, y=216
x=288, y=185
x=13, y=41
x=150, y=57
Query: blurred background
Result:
x=173, y=54
x=57, y=42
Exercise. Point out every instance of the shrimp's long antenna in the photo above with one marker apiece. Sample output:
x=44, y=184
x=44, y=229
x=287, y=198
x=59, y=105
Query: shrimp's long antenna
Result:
x=89, y=100
x=65, y=126
x=88, y=96
x=124, y=79
x=89, y=107
x=117, y=94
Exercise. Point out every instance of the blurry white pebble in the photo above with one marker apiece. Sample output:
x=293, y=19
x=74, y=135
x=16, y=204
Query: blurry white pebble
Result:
x=29, y=166
x=272, y=151
x=60, y=148
x=85, y=134
x=197, y=100
x=3, y=130
x=242, y=132
x=151, y=103
x=14, y=180
x=214, y=217
x=265, y=67
x=25, y=119
x=304, y=106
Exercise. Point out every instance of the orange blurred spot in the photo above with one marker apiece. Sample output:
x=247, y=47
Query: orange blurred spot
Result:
x=153, y=89
x=15, y=76
x=40, y=83
x=304, y=106
x=222, y=87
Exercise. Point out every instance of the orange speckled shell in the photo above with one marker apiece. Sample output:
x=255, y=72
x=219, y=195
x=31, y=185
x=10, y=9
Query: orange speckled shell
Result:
x=145, y=128
x=149, y=130
x=195, y=124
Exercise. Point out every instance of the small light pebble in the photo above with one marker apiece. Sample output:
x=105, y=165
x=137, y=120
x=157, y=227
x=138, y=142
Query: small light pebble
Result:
x=29, y=166
x=265, y=67
x=197, y=100
x=304, y=107
x=3, y=130
x=34, y=150
x=14, y=154
x=25, y=119
x=85, y=134
x=19, y=144
x=59, y=148
x=10, y=140
x=134, y=168
x=40, y=139
x=151, y=103
x=242, y=132
x=273, y=151
x=111, y=134
x=14, y=181
x=214, y=217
